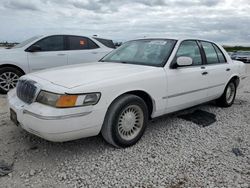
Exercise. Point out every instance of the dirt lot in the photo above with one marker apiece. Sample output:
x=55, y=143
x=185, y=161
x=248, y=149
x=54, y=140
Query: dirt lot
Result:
x=173, y=153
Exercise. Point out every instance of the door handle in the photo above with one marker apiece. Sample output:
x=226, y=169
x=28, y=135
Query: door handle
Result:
x=94, y=52
x=61, y=54
x=204, y=73
x=228, y=69
x=203, y=67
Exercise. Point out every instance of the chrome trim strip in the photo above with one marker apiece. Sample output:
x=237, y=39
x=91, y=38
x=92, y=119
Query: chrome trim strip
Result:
x=202, y=65
x=40, y=134
x=188, y=92
x=55, y=117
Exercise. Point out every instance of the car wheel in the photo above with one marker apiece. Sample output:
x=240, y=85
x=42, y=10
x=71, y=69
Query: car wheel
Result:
x=227, y=99
x=8, y=78
x=125, y=121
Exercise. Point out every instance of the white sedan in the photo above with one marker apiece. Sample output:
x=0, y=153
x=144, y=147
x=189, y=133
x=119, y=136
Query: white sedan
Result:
x=48, y=51
x=116, y=97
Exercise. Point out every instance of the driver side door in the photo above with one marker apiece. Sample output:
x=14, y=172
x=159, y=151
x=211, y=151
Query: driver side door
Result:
x=51, y=54
x=187, y=85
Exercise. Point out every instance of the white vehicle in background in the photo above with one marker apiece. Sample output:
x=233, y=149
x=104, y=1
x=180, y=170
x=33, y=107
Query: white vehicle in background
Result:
x=140, y=80
x=41, y=52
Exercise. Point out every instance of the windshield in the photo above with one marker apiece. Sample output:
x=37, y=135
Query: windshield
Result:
x=152, y=52
x=22, y=44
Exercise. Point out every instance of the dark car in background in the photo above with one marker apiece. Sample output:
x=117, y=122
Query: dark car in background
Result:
x=243, y=56
x=106, y=42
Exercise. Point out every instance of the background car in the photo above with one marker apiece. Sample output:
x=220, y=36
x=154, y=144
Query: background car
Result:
x=243, y=56
x=41, y=52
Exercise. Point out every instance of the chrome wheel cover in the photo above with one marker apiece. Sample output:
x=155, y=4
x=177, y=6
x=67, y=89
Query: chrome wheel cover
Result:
x=230, y=92
x=130, y=122
x=8, y=80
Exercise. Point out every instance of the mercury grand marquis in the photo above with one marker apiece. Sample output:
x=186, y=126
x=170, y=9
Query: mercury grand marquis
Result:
x=116, y=96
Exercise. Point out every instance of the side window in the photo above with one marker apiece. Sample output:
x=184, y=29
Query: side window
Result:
x=221, y=57
x=210, y=53
x=80, y=43
x=191, y=49
x=53, y=43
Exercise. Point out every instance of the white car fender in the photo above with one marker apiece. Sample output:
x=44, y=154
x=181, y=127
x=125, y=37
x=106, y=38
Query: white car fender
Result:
x=158, y=103
x=24, y=69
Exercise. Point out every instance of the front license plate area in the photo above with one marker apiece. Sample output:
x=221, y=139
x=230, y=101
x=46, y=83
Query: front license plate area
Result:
x=13, y=117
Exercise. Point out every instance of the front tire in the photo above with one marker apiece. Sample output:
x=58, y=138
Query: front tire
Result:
x=8, y=78
x=227, y=99
x=125, y=121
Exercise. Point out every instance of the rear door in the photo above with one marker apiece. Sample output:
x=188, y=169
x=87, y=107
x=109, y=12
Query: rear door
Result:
x=52, y=53
x=82, y=50
x=187, y=85
x=217, y=68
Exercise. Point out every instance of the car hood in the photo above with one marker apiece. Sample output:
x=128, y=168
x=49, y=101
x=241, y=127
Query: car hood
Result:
x=89, y=73
x=4, y=51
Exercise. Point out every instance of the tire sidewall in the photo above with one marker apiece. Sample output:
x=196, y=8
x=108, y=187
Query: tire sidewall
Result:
x=225, y=97
x=132, y=100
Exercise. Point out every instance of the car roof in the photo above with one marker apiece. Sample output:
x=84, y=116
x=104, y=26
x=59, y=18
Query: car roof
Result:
x=174, y=38
x=73, y=34
x=153, y=38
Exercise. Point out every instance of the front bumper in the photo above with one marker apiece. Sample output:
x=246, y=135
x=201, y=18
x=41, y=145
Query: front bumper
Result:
x=54, y=124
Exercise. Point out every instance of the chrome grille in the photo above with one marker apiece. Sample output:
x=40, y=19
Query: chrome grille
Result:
x=26, y=90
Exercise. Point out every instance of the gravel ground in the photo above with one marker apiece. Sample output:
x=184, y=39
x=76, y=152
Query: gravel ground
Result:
x=173, y=153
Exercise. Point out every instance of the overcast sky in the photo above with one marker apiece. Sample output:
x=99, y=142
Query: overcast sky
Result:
x=223, y=21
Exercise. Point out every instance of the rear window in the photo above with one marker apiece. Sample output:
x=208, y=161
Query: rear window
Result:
x=221, y=57
x=245, y=53
x=210, y=53
x=106, y=42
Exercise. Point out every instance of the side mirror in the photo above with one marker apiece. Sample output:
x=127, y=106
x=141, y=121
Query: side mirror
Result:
x=34, y=48
x=184, y=61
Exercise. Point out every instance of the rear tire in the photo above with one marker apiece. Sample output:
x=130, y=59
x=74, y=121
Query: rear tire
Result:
x=227, y=99
x=8, y=78
x=125, y=121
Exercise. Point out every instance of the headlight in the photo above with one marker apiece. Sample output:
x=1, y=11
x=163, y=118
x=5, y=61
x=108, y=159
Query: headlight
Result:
x=66, y=100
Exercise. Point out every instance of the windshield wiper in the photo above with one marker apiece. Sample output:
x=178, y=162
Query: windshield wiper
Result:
x=125, y=62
